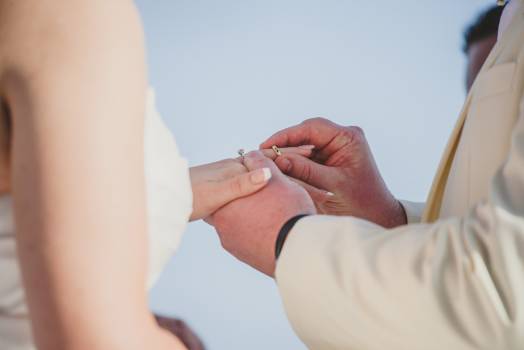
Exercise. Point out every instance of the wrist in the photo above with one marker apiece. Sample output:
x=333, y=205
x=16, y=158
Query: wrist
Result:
x=284, y=233
x=396, y=215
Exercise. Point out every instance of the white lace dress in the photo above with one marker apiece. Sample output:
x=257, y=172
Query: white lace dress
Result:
x=169, y=207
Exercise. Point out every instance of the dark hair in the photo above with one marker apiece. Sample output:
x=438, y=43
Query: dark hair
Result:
x=486, y=25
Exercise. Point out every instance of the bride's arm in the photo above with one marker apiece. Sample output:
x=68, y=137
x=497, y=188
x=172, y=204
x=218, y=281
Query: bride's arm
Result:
x=73, y=77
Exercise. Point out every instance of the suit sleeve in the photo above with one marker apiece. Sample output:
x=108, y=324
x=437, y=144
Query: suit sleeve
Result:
x=454, y=284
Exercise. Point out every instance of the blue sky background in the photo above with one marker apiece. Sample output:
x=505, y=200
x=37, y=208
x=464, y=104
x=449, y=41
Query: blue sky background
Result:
x=229, y=73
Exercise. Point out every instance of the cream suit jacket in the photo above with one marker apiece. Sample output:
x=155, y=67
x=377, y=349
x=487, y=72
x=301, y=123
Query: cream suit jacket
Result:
x=453, y=282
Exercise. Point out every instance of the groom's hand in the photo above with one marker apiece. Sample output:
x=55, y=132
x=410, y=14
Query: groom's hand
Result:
x=248, y=227
x=216, y=184
x=343, y=167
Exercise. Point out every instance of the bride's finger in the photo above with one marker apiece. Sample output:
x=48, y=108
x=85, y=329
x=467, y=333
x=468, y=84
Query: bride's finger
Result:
x=209, y=196
x=241, y=186
x=306, y=151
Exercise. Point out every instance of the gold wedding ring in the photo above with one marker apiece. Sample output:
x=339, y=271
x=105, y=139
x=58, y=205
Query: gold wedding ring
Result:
x=277, y=150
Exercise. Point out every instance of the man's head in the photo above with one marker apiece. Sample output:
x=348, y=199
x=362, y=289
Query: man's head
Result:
x=480, y=37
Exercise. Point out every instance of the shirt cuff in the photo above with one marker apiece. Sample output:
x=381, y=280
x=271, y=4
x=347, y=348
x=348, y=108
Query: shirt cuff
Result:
x=413, y=211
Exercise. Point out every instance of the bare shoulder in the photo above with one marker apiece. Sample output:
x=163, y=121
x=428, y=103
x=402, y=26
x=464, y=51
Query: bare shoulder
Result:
x=34, y=33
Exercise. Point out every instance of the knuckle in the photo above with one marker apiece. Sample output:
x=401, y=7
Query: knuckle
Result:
x=285, y=164
x=346, y=131
x=357, y=130
x=236, y=186
x=347, y=134
x=355, y=133
x=305, y=173
x=315, y=120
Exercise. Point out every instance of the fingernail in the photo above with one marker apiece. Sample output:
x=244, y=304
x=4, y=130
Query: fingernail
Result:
x=261, y=176
x=330, y=194
x=308, y=147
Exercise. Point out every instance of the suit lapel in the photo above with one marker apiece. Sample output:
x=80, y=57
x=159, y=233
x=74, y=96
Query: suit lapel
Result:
x=434, y=201
x=436, y=194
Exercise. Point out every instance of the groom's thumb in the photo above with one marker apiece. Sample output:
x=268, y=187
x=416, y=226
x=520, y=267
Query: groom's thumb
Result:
x=306, y=170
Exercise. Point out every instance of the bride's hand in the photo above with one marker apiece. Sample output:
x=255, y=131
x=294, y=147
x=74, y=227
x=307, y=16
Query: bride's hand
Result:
x=216, y=184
